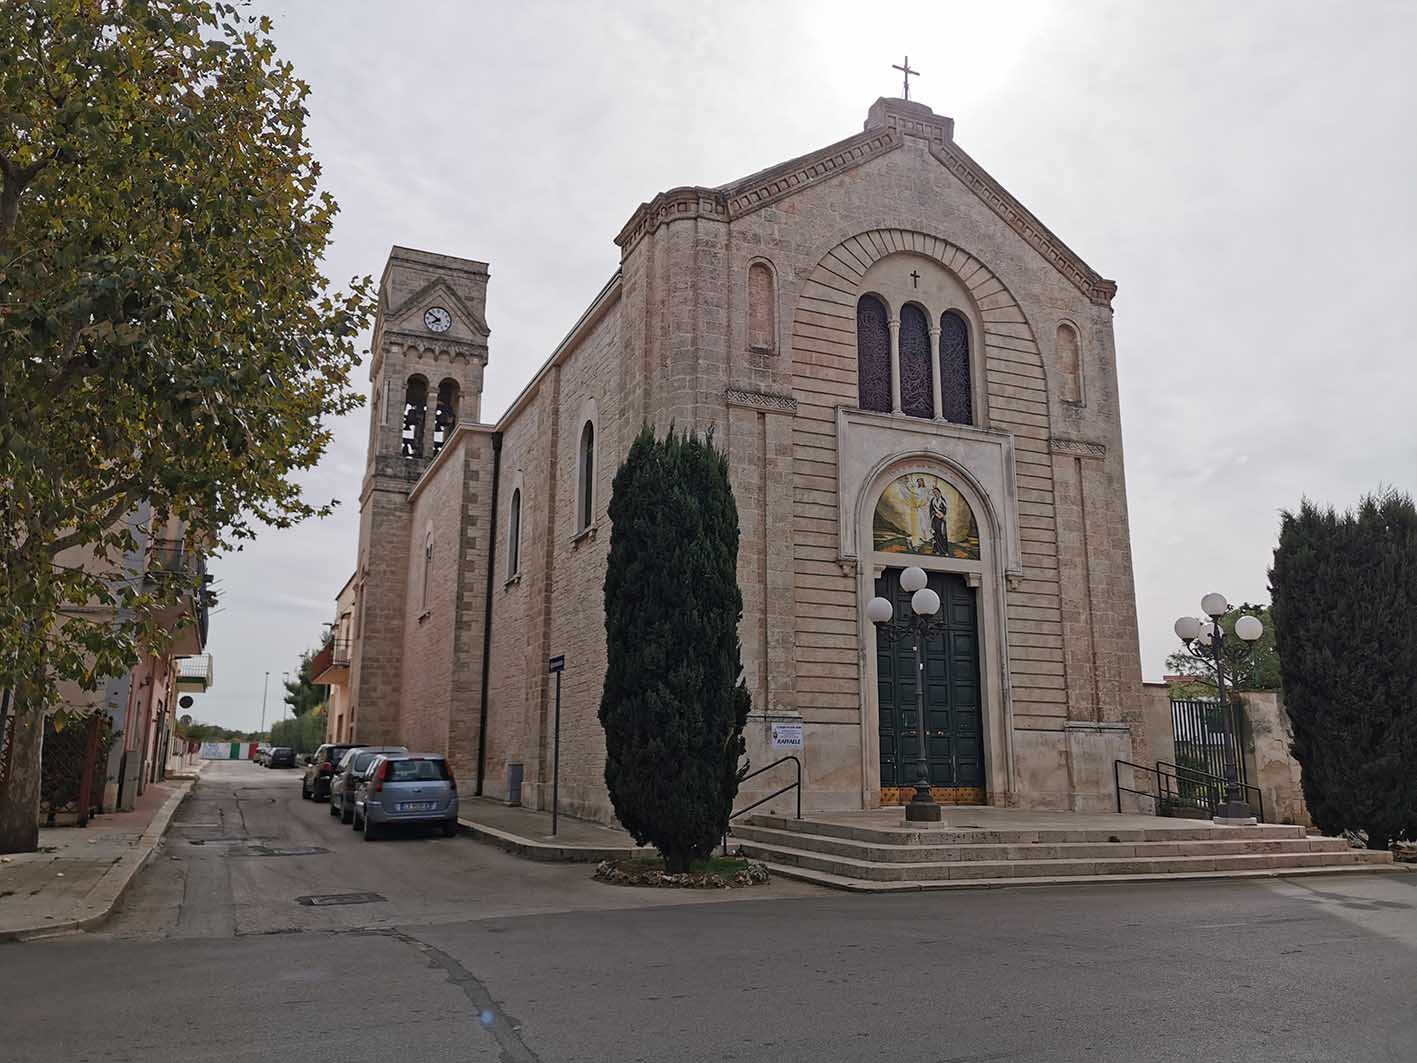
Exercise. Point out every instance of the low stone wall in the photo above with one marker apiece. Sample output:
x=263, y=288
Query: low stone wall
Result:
x=1266, y=740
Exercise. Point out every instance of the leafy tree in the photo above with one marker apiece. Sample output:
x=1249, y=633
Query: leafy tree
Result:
x=303, y=733
x=168, y=345
x=1344, y=588
x=1260, y=671
x=302, y=695
x=674, y=703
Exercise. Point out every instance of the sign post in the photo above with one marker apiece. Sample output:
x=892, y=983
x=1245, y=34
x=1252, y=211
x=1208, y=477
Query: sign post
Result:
x=556, y=665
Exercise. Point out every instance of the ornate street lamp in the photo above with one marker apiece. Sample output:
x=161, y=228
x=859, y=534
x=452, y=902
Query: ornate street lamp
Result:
x=918, y=626
x=1206, y=641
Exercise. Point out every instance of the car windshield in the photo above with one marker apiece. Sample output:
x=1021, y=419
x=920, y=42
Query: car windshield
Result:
x=416, y=771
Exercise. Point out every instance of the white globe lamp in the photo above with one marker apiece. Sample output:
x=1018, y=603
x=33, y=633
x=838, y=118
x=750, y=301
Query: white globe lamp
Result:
x=913, y=579
x=925, y=602
x=1188, y=628
x=1249, y=628
x=879, y=611
x=1215, y=605
x=1205, y=638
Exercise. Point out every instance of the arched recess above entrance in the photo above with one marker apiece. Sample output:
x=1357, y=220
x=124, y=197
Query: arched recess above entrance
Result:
x=1009, y=380
x=884, y=478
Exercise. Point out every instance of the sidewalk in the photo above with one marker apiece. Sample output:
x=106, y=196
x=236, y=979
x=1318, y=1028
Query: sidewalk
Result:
x=528, y=834
x=79, y=873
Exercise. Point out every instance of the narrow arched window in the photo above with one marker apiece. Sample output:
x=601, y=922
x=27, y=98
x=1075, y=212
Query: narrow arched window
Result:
x=873, y=355
x=427, y=569
x=415, y=405
x=956, y=394
x=445, y=414
x=917, y=393
x=514, y=535
x=762, y=309
x=1068, y=360
x=585, y=495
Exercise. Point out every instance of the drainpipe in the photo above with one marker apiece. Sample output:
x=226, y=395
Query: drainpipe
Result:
x=487, y=614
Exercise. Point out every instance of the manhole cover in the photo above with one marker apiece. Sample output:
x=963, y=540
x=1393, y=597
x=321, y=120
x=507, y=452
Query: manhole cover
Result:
x=296, y=850
x=321, y=900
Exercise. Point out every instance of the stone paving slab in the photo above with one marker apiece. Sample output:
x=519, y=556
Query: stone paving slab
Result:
x=527, y=833
x=78, y=874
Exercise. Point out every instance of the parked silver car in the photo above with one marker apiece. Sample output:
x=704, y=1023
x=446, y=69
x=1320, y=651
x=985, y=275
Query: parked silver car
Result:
x=348, y=772
x=406, y=788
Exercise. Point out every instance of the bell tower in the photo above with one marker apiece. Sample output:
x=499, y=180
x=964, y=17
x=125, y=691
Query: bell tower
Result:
x=428, y=353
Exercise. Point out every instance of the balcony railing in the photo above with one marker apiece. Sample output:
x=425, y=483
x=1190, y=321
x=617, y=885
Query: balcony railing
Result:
x=333, y=654
x=194, y=673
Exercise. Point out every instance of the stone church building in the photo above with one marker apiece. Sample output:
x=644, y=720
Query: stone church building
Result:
x=904, y=366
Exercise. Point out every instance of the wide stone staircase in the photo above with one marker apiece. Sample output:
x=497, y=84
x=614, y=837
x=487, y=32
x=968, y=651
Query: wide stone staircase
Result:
x=877, y=858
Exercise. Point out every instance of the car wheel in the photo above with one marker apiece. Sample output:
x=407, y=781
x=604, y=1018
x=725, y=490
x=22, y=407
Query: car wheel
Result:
x=304, y=791
x=333, y=810
x=371, y=830
x=346, y=815
x=450, y=828
x=357, y=821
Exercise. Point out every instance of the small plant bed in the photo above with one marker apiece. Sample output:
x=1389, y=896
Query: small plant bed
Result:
x=715, y=873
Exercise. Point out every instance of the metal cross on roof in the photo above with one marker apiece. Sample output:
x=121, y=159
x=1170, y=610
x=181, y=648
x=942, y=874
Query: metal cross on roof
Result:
x=906, y=73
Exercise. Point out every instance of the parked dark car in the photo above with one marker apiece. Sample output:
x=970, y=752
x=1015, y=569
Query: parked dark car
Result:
x=280, y=757
x=406, y=788
x=347, y=775
x=320, y=770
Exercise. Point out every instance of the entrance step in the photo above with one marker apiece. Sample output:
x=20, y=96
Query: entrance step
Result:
x=886, y=859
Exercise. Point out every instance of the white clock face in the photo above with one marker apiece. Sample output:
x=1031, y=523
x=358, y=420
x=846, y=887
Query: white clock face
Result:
x=437, y=319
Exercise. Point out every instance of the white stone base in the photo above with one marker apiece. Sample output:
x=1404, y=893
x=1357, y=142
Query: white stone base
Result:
x=1237, y=821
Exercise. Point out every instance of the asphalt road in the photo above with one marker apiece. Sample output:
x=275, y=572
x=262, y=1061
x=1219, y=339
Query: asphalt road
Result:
x=474, y=955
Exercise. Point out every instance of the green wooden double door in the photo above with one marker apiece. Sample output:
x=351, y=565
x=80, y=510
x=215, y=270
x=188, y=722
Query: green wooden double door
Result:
x=954, y=718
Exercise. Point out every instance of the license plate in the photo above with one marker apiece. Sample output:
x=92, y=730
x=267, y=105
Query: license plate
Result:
x=418, y=806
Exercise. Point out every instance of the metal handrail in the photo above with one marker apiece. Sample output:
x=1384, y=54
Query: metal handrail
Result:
x=1164, y=792
x=1209, y=777
x=794, y=785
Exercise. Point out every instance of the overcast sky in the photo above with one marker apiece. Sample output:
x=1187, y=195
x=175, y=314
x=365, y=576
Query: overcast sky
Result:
x=1244, y=171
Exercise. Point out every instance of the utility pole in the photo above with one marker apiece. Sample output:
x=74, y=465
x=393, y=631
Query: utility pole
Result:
x=264, y=691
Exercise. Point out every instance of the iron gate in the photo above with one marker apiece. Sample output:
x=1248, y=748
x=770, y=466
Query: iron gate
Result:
x=1199, y=730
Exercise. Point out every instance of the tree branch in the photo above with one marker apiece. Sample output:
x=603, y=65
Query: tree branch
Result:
x=121, y=506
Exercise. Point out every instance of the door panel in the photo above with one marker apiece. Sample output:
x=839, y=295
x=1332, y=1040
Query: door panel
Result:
x=954, y=726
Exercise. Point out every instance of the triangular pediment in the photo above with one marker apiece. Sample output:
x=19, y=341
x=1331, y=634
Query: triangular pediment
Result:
x=889, y=123
x=407, y=314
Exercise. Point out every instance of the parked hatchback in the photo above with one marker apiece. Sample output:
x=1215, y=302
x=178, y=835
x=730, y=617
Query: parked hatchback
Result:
x=350, y=770
x=406, y=788
x=320, y=771
x=280, y=757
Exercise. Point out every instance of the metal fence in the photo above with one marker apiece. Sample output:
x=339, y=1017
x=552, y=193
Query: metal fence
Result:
x=1199, y=730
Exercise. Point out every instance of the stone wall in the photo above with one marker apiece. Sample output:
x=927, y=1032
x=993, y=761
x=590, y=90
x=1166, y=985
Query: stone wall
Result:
x=1269, y=764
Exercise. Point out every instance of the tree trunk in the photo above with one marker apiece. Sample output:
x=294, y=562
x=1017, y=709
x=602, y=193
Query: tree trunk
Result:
x=1378, y=841
x=19, y=792
x=676, y=863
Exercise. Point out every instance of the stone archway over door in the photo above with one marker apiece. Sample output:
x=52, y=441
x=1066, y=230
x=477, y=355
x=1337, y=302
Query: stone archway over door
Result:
x=954, y=718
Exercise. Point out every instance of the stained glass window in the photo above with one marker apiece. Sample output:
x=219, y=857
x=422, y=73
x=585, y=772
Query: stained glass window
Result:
x=873, y=355
x=917, y=393
x=956, y=394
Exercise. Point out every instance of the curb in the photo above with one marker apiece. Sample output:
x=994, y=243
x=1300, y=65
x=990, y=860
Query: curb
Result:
x=109, y=890
x=544, y=852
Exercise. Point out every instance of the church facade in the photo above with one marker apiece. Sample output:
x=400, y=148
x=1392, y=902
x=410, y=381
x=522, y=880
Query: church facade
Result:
x=904, y=367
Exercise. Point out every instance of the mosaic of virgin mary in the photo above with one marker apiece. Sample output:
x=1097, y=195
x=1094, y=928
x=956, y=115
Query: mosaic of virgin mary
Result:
x=919, y=513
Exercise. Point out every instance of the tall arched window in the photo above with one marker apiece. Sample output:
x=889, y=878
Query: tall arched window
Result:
x=415, y=405
x=956, y=394
x=762, y=309
x=514, y=535
x=1068, y=355
x=873, y=355
x=585, y=494
x=917, y=393
x=445, y=414
x=427, y=568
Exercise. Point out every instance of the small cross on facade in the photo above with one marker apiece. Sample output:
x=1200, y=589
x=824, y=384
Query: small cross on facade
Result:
x=906, y=73
x=915, y=278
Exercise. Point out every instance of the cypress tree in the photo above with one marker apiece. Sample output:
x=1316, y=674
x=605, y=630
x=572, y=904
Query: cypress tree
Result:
x=674, y=703
x=1345, y=612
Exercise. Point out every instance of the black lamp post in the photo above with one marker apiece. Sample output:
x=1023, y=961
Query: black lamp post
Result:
x=1205, y=641
x=920, y=625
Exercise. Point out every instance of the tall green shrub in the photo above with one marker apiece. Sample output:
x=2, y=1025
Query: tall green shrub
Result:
x=1345, y=612
x=674, y=703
